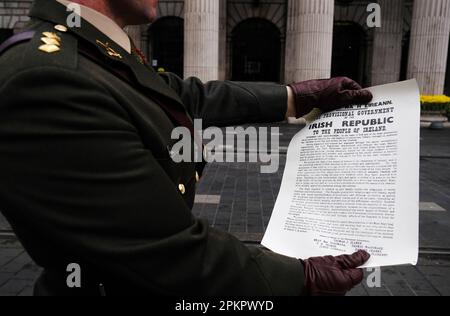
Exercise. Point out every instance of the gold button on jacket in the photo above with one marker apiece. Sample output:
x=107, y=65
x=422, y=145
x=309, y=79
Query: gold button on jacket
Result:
x=182, y=189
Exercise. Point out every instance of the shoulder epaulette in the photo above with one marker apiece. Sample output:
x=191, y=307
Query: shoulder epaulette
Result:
x=16, y=39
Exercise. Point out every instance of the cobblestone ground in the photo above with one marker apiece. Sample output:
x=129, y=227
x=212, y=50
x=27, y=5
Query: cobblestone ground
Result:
x=430, y=278
x=237, y=198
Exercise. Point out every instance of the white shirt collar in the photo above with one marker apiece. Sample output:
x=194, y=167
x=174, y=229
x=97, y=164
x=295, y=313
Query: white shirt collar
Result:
x=104, y=24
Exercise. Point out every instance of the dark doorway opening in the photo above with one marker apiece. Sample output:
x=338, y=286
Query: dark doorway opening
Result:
x=256, y=51
x=166, y=38
x=5, y=34
x=405, y=56
x=349, y=52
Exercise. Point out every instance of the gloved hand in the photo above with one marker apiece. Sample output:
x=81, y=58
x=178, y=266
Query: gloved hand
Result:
x=328, y=95
x=334, y=276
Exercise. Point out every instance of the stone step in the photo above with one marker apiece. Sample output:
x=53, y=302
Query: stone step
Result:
x=428, y=124
x=433, y=118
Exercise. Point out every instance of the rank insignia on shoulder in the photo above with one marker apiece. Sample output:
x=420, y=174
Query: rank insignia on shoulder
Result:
x=61, y=28
x=51, y=35
x=111, y=52
x=52, y=43
x=49, y=48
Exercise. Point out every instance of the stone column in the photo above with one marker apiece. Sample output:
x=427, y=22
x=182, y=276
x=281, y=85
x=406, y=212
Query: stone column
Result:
x=223, y=40
x=447, y=73
x=290, y=52
x=134, y=32
x=387, y=50
x=309, y=41
x=201, y=51
x=429, y=44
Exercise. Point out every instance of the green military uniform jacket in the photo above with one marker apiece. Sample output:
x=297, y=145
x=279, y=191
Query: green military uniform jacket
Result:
x=86, y=176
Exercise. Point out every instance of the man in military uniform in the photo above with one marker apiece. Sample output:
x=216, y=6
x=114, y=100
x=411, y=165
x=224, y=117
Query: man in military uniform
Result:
x=86, y=174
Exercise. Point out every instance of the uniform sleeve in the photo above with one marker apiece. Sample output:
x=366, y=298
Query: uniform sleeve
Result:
x=78, y=184
x=225, y=103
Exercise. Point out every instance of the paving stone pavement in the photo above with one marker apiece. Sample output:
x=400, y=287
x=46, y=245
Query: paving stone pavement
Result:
x=237, y=198
x=430, y=278
x=17, y=271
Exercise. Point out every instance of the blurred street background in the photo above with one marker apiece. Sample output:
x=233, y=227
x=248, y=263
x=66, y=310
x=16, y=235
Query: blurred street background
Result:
x=237, y=198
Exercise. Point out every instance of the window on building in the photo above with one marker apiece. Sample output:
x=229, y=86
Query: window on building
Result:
x=166, y=38
x=256, y=51
x=5, y=34
x=349, y=52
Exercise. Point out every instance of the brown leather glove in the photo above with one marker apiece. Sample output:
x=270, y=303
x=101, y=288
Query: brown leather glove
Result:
x=328, y=95
x=334, y=276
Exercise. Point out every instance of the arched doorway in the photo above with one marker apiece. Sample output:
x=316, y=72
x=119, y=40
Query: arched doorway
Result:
x=5, y=34
x=166, y=38
x=256, y=51
x=349, y=51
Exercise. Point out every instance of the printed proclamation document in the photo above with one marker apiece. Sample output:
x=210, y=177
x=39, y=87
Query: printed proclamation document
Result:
x=352, y=182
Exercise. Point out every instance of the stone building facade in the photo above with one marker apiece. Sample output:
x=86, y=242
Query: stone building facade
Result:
x=290, y=40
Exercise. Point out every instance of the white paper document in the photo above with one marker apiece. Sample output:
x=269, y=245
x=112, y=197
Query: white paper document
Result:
x=352, y=182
